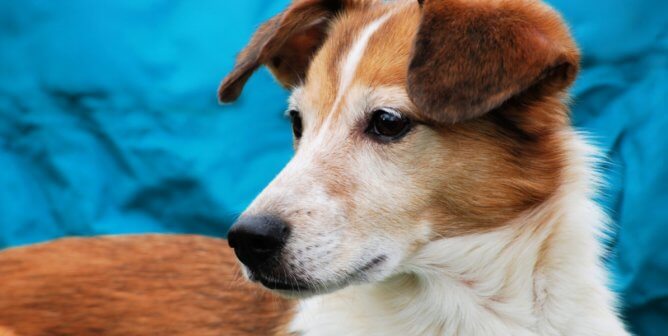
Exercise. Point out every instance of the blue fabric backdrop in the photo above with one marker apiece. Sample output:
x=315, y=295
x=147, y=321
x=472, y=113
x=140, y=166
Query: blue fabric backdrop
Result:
x=109, y=124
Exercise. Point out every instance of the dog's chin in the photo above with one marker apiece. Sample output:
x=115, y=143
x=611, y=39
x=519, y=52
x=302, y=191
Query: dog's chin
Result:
x=291, y=287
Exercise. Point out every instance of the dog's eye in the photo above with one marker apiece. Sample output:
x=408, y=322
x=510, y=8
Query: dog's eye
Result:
x=296, y=123
x=387, y=125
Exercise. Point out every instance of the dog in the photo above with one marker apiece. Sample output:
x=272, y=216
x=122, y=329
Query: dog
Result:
x=437, y=188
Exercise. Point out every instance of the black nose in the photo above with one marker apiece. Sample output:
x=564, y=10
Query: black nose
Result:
x=255, y=239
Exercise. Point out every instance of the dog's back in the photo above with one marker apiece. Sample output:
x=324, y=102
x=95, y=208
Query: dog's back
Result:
x=134, y=285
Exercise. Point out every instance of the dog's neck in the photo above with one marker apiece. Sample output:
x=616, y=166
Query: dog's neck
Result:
x=540, y=275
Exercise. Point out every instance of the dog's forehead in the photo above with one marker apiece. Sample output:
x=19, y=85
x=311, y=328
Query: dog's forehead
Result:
x=366, y=48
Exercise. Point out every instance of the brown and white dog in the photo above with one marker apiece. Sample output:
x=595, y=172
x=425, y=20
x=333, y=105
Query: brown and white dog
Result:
x=437, y=188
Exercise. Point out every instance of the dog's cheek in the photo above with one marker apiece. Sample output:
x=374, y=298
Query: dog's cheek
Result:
x=388, y=198
x=488, y=177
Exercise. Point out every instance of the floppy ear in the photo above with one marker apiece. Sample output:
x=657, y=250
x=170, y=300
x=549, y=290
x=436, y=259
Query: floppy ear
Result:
x=286, y=43
x=471, y=56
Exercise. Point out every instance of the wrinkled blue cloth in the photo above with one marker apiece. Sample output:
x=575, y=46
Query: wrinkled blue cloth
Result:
x=109, y=124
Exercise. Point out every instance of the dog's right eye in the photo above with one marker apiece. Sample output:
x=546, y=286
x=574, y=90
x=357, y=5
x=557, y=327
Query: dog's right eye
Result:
x=296, y=123
x=388, y=125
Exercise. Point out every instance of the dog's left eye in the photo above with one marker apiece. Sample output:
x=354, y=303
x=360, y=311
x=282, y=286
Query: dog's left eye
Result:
x=387, y=125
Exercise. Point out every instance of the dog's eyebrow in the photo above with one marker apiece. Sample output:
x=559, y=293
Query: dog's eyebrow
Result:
x=390, y=110
x=393, y=98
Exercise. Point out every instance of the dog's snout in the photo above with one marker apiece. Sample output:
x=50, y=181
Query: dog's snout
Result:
x=255, y=239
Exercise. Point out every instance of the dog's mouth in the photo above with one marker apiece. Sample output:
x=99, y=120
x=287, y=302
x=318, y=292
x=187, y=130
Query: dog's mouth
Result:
x=289, y=286
x=295, y=287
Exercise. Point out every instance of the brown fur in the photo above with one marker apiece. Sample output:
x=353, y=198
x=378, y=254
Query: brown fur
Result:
x=6, y=332
x=515, y=58
x=382, y=68
x=483, y=81
x=471, y=56
x=481, y=173
x=135, y=285
x=286, y=44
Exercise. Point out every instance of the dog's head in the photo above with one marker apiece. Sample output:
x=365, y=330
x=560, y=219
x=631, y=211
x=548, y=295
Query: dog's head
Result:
x=413, y=121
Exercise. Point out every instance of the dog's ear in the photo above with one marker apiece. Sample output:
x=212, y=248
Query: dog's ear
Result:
x=471, y=56
x=286, y=43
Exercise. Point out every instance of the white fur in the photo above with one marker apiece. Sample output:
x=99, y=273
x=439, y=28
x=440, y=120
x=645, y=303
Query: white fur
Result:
x=352, y=61
x=491, y=284
x=349, y=68
x=324, y=259
x=505, y=282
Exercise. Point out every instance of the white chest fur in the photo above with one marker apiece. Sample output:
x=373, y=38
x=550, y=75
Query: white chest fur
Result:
x=470, y=299
x=540, y=275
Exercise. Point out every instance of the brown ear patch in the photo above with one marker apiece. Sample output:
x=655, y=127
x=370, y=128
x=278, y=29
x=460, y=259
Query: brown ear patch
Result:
x=248, y=61
x=286, y=44
x=469, y=57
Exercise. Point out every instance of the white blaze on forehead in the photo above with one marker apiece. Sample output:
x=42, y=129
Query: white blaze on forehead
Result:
x=348, y=68
x=352, y=60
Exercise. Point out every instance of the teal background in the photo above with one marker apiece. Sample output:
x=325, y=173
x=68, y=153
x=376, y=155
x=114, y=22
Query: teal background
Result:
x=109, y=124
